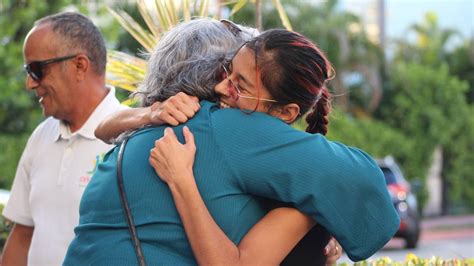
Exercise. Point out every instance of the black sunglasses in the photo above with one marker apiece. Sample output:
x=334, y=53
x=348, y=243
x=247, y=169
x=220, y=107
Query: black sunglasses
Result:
x=35, y=68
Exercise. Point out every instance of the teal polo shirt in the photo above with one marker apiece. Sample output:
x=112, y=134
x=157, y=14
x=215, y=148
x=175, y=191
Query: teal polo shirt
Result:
x=240, y=158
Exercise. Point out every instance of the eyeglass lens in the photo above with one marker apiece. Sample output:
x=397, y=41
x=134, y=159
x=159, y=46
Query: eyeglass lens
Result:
x=234, y=91
x=34, y=70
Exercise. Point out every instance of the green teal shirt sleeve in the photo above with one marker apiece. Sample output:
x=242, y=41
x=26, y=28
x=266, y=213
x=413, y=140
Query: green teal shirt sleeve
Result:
x=341, y=187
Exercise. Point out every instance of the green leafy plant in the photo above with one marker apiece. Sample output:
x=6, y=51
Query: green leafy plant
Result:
x=5, y=227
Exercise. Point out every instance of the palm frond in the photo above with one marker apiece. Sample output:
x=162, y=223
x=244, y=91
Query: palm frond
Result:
x=203, y=8
x=239, y=5
x=131, y=26
x=174, y=12
x=160, y=15
x=130, y=102
x=186, y=11
x=283, y=16
x=125, y=71
x=148, y=12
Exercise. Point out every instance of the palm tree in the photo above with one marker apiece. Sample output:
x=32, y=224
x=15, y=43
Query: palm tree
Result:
x=431, y=43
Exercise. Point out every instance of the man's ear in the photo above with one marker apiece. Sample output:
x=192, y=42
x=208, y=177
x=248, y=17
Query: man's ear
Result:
x=288, y=113
x=81, y=66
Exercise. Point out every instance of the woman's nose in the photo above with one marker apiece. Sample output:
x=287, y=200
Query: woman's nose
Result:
x=222, y=88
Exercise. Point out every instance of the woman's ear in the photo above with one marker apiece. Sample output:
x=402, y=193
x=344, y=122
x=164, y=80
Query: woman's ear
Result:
x=288, y=113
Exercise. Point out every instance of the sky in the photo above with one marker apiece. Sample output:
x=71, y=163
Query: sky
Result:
x=455, y=14
x=400, y=14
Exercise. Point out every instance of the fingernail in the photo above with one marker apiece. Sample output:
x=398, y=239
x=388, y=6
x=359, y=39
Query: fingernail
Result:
x=326, y=250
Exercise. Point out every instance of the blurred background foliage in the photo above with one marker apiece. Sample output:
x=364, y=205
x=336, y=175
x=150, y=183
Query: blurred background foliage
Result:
x=409, y=105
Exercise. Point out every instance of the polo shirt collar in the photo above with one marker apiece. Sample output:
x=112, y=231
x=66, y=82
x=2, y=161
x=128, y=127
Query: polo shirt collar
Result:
x=99, y=114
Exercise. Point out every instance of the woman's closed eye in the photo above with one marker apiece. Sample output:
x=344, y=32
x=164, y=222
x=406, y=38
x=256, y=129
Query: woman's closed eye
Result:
x=243, y=90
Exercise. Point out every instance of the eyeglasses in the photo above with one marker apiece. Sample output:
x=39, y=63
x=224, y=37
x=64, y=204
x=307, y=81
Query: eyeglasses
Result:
x=232, y=27
x=35, y=68
x=235, y=92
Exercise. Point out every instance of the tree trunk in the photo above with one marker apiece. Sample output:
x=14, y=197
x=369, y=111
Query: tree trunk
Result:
x=436, y=185
x=258, y=15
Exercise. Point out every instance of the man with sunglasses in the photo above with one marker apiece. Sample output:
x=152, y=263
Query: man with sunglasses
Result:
x=65, y=58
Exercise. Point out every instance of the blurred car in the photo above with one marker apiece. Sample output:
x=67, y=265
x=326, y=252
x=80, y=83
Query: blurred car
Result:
x=404, y=201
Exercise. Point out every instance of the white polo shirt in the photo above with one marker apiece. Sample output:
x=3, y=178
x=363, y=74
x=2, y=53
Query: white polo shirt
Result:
x=53, y=171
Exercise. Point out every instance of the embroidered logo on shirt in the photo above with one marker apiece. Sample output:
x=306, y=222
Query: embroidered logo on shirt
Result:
x=84, y=180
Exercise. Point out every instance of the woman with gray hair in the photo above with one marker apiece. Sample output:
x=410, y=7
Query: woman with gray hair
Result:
x=181, y=70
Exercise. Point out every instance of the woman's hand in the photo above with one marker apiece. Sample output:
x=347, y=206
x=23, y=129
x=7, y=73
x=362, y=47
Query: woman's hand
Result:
x=333, y=251
x=173, y=161
x=174, y=111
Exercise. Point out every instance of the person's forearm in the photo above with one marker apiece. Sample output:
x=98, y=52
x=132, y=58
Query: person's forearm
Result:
x=209, y=243
x=117, y=123
x=17, y=246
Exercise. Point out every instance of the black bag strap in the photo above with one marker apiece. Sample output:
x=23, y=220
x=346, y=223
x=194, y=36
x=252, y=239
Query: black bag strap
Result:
x=126, y=208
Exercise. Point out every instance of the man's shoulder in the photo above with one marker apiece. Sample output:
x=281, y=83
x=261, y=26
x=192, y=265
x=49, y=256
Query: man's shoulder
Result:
x=110, y=103
x=48, y=127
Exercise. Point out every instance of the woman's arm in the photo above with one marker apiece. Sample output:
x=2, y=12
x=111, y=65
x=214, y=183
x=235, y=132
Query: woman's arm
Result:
x=174, y=111
x=268, y=242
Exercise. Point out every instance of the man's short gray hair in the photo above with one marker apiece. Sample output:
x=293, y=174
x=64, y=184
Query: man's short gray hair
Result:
x=188, y=59
x=80, y=35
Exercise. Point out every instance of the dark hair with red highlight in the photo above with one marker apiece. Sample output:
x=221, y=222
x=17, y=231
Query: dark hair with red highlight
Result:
x=294, y=70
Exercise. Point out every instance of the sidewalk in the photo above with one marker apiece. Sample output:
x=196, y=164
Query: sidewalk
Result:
x=447, y=227
x=447, y=237
x=447, y=222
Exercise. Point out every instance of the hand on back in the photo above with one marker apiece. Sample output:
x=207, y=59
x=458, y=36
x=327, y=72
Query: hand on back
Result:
x=173, y=161
x=175, y=110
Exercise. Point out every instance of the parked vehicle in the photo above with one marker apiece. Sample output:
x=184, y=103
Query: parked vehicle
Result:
x=404, y=201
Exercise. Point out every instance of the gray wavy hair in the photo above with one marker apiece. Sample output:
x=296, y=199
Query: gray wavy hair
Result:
x=188, y=59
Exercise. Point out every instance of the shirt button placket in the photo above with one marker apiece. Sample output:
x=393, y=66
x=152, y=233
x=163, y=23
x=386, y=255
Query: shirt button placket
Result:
x=66, y=162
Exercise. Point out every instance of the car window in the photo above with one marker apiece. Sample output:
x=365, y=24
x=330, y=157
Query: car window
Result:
x=389, y=176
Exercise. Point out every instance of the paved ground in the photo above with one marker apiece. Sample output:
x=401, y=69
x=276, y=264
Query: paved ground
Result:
x=446, y=237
